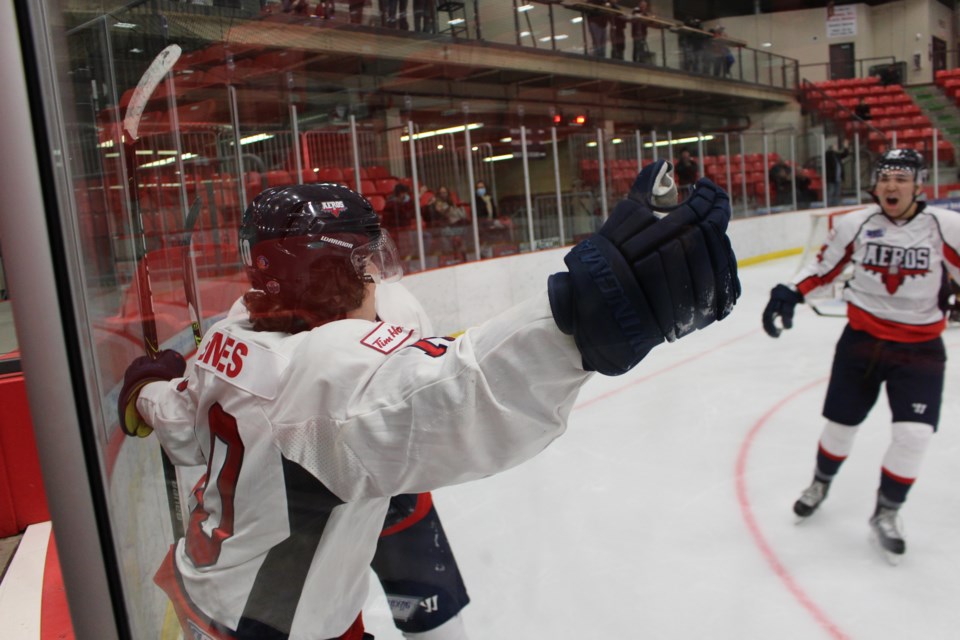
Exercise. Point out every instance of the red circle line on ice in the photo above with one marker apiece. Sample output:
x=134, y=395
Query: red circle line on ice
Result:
x=753, y=527
x=743, y=500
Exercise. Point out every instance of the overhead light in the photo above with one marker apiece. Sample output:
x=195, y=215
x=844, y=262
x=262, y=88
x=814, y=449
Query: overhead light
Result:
x=136, y=50
x=524, y=33
x=524, y=7
x=107, y=144
x=561, y=36
x=767, y=45
x=663, y=143
x=506, y=156
x=507, y=139
x=124, y=25
x=439, y=146
x=440, y=132
x=577, y=20
x=166, y=161
x=591, y=144
x=257, y=137
x=456, y=21
x=474, y=148
x=616, y=141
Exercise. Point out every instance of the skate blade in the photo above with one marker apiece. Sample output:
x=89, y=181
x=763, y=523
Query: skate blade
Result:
x=893, y=559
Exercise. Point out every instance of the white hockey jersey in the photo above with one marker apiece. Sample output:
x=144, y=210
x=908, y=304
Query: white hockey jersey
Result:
x=898, y=270
x=306, y=436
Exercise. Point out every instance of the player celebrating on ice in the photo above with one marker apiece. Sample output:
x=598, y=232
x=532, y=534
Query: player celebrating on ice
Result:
x=899, y=248
x=310, y=414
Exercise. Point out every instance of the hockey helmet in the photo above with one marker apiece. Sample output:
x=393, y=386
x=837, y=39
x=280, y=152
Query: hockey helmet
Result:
x=286, y=231
x=906, y=160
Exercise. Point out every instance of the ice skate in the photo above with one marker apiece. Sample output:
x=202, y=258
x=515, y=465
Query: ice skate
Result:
x=810, y=499
x=885, y=525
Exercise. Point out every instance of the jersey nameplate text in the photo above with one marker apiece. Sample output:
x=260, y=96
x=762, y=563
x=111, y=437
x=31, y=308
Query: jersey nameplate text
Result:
x=243, y=364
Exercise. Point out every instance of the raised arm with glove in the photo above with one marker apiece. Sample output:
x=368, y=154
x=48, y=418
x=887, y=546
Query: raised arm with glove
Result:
x=642, y=280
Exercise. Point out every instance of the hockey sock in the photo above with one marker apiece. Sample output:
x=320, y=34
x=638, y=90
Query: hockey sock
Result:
x=836, y=442
x=901, y=463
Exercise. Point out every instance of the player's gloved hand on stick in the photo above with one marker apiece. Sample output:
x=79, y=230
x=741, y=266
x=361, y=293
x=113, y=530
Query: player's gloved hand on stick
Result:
x=782, y=301
x=142, y=371
x=641, y=280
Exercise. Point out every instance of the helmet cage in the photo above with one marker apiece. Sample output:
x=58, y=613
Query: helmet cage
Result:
x=900, y=160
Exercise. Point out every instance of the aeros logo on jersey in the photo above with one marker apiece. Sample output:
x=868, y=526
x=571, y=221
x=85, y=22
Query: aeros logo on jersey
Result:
x=894, y=264
x=881, y=255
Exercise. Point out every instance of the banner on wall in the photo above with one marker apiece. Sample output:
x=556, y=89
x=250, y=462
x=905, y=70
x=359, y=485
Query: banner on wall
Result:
x=842, y=21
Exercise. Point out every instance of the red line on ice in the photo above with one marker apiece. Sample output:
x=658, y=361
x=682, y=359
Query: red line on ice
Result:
x=747, y=511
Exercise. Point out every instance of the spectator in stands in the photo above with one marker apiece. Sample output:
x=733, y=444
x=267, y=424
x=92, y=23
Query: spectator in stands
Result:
x=443, y=211
x=890, y=75
x=685, y=171
x=597, y=25
x=691, y=45
x=486, y=207
x=495, y=227
x=425, y=16
x=805, y=193
x=618, y=33
x=325, y=9
x=398, y=213
x=298, y=7
x=833, y=173
x=781, y=179
x=397, y=15
x=719, y=52
x=355, y=10
x=862, y=110
x=638, y=30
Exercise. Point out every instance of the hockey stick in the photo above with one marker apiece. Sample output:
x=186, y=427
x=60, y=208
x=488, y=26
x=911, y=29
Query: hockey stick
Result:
x=159, y=68
x=190, y=273
x=823, y=308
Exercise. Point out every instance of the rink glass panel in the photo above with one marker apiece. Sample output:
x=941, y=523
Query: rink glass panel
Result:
x=238, y=115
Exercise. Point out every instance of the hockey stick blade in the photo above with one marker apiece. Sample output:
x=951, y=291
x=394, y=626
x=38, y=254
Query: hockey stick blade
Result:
x=160, y=66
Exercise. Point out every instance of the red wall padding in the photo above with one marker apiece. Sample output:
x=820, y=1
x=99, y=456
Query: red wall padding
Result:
x=20, y=478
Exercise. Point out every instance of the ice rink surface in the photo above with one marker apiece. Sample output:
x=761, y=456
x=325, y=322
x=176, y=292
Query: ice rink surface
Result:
x=665, y=510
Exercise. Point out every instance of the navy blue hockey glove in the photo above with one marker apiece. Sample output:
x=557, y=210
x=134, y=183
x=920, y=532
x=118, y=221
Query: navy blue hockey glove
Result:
x=144, y=370
x=782, y=301
x=641, y=280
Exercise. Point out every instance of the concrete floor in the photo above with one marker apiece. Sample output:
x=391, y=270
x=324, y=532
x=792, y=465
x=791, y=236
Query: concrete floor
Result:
x=8, y=546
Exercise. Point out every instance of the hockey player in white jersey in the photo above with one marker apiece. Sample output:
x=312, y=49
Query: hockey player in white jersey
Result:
x=901, y=251
x=310, y=413
x=414, y=560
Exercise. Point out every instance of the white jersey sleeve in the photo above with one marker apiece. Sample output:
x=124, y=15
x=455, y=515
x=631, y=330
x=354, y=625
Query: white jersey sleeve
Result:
x=834, y=255
x=345, y=416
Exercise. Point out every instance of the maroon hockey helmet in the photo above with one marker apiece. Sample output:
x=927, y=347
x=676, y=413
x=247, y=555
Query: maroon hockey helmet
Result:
x=288, y=232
